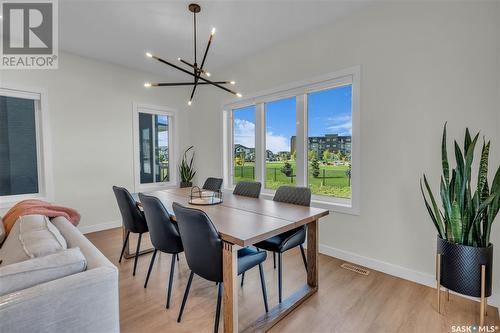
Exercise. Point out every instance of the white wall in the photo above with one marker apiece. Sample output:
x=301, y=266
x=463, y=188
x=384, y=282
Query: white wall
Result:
x=90, y=109
x=421, y=64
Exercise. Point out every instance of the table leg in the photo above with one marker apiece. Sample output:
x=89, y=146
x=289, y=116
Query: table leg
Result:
x=312, y=254
x=127, y=254
x=230, y=278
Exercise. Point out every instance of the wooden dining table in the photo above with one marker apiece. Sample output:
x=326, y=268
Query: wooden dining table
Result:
x=243, y=221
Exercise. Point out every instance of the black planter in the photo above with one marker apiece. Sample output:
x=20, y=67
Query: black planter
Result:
x=461, y=267
x=186, y=184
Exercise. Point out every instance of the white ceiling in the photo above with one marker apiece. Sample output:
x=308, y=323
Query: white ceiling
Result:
x=122, y=31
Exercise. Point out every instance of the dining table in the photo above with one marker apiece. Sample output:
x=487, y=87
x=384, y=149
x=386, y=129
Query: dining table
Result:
x=243, y=221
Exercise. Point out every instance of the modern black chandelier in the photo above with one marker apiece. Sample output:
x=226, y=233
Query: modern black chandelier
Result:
x=198, y=73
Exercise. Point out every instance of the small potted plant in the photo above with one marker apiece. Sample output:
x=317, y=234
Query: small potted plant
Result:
x=186, y=169
x=463, y=222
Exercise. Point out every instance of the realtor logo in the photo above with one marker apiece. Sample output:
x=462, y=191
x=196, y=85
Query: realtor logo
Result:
x=29, y=34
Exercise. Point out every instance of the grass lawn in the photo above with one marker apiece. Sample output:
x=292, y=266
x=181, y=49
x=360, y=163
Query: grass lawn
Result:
x=335, y=182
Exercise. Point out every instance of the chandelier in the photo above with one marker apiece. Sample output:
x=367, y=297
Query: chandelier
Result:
x=199, y=73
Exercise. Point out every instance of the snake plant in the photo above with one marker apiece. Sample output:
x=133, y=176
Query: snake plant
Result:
x=468, y=209
x=186, y=170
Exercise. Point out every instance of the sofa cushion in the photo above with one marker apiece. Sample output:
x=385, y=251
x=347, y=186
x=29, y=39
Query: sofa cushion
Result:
x=35, y=271
x=31, y=236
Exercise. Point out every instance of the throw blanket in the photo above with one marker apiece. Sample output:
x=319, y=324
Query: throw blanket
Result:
x=38, y=207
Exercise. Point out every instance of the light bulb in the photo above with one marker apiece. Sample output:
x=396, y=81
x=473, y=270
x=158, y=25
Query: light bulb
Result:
x=149, y=55
x=189, y=103
x=207, y=74
x=179, y=59
x=147, y=84
x=233, y=82
x=213, y=31
x=239, y=94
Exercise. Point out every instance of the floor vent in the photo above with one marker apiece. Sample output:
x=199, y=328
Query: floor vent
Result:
x=355, y=269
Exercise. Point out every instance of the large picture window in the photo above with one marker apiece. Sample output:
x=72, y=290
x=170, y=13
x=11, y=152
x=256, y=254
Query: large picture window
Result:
x=24, y=169
x=306, y=134
x=154, y=150
x=244, y=144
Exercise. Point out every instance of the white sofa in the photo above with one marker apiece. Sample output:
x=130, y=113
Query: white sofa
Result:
x=83, y=302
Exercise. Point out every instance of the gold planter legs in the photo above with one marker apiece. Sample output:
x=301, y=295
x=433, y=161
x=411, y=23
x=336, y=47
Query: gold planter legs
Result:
x=483, y=299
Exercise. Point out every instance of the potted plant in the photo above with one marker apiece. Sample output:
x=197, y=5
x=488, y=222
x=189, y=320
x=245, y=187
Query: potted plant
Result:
x=463, y=222
x=186, y=169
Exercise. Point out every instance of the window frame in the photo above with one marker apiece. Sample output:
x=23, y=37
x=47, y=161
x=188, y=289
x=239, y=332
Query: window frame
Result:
x=172, y=146
x=43, y=144
x=300, y=91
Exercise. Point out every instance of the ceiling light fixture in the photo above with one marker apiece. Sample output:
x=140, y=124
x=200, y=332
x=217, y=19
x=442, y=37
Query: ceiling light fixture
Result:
x=198, y=72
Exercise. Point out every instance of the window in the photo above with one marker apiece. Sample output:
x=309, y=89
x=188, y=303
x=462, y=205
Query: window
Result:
x=329, y=165
x=280, y=143
x=154, y=151
x=244, y=144
x=24, y=156
x=305, y=134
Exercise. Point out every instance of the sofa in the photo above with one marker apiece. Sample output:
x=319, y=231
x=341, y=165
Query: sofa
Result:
x=86, y=301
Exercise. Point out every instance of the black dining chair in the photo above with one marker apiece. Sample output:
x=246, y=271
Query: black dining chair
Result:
x=203, y=251
x=164, y=235
x=290, y=239
x=251, y=190
x=212, y=184
x=248, y=189
x=133, y=219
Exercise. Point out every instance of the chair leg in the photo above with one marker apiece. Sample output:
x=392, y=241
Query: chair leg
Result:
x=177, y=254
x=242, y=278
x=280, y=276
x=263, y=284
x=137, y=253
x=274, y=260
x=217, y=311
x=170, y=280
x=303, y=256
x=184, y=299
x=150, y=268
x=124, y=246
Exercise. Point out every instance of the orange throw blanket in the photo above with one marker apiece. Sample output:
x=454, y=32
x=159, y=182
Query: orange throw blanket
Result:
x=38, y=207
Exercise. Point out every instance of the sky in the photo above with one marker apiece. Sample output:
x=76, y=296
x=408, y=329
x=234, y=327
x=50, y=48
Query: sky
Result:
x=329, y=112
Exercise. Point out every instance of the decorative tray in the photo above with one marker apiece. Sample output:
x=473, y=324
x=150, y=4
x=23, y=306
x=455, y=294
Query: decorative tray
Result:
x=204, y=198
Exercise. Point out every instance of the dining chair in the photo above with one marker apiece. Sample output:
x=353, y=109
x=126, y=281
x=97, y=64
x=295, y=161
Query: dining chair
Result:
x=164, y=235
x=248, y=189
x=133, y=219
x=251, y=190
x=212, y=184
x=203, y=251
x=290, y=239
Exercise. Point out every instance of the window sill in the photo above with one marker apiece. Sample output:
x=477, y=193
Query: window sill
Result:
x=343, y=208
x=7, y=202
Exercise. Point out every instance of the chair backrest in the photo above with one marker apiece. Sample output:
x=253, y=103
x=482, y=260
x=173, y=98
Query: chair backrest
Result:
x=213, y=184
x=248, y=189
x=162, y=231
x=132, y=217
x=293, y=195
x=202, y=244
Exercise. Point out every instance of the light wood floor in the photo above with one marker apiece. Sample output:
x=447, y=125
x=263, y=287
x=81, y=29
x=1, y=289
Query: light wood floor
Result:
x=346, y=301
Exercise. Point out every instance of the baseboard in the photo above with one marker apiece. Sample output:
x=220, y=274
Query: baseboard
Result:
x=394, y=270
x=99, y=227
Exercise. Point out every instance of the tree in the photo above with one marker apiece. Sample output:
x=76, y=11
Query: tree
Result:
x=311, y=155
x=239, y=160
x=327, y=155
x=315, y=168
x=287, y=169
x=348, y=174
x=294, y=155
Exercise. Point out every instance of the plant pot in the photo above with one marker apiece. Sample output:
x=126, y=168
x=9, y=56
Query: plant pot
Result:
x=461, y=267
x=186, y=184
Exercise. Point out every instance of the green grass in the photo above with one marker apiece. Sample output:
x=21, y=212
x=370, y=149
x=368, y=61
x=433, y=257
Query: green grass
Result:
x=335, y=184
